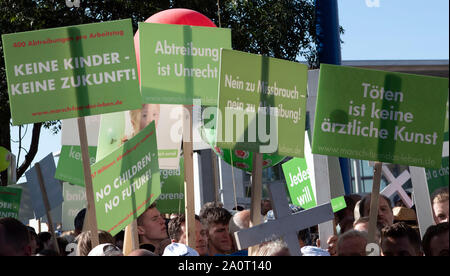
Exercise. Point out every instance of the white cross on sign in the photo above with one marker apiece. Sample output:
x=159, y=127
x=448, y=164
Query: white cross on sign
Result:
x=396, y=185
x=286, y=224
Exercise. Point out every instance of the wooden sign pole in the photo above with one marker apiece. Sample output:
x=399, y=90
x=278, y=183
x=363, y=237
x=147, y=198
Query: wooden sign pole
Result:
x=47, y=207
x=215, y=176
x=255, y=210
x=374, y=201
x=131, y=238
x=189, y=202
x=90, y=212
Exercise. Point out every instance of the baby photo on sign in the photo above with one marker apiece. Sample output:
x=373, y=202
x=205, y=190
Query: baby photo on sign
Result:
x=116, y=128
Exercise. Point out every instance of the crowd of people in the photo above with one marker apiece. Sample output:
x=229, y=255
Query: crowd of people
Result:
x=397, y=233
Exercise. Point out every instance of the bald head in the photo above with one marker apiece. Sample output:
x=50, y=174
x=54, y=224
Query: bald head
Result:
x=242, y=219
x=141, y=252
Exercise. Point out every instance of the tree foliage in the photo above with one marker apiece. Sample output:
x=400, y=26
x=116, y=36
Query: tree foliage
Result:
x=276, y=28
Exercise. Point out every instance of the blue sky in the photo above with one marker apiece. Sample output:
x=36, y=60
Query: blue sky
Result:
x=395, y=30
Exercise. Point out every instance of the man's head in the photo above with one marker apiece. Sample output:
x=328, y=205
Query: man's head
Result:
x=352, y=243
x=216, y=220
x=151, y=226
x=435, y=241
x=177, y=233
x=385, y=215
x=14, y=238
x=272, y=248
x=240, y=220
x=439, y=201
x=400, y=239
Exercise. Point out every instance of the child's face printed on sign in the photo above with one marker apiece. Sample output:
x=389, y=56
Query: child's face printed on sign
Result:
x=149, y=113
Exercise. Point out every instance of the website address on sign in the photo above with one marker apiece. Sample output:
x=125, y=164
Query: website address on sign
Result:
x=76, y=108
x=371, y=155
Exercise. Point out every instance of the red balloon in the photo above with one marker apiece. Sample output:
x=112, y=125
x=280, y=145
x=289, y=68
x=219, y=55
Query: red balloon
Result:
x=173, y=16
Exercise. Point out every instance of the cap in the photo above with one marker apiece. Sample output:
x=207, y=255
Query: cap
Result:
x=106, y=249
x=179, y=249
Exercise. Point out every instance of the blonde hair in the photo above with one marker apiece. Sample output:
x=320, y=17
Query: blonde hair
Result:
x=135, y=117
x=270, y=248
x=136, y=114
x=440, y=195
x=85, y=244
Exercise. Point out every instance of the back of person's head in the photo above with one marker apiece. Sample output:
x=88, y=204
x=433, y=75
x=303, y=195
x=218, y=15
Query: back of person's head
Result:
x=215, y=215
x=352, y=243
x=84, y=241
x=400, y=239
x=14, y=238
x=79, y=221
x=34, y=240
x=141, y=253
x=435, y=241
x=348, y=210
x=272, y=248
x=62, y=244
x=45, y=241
x=239, y=221
x=174, y=227
x=208, y=205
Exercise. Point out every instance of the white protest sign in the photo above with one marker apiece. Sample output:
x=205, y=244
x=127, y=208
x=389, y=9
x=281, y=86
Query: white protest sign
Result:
x=395, y=185
x=69, y=131
x=74, y=200
x=421, y=199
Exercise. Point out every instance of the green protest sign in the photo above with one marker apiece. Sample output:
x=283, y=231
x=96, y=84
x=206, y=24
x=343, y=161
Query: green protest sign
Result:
x=438, y=178
x=380, y=116
x=298, y=180
x=70, y=166
x=71, y=71
x=179, y=63
x=261, y=101
x=171, y=199
x=299, y=183
x=338, y=203
x=127, y=181
x=10, y=202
